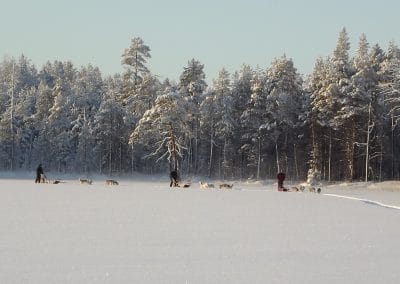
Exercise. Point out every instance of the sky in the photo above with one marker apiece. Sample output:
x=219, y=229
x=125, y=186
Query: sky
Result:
x=218, y=33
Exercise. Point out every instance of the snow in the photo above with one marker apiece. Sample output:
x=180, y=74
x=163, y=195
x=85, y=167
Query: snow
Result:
x=144, y=232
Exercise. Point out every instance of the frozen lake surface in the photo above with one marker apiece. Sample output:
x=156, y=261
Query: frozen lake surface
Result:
x=144, y=232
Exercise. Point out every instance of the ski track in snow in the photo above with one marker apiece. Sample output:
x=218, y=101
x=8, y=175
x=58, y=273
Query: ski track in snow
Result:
x=367, y=201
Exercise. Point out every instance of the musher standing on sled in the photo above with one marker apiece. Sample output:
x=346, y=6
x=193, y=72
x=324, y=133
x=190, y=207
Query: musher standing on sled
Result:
x=174, y=178
x=39, y=173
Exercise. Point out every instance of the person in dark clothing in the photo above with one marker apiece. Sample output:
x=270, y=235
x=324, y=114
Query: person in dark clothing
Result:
x=39, y=173
x=281, y=178
x=173, y=176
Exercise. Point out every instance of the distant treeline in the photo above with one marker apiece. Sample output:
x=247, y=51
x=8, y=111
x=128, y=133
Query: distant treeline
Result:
x=338, y=123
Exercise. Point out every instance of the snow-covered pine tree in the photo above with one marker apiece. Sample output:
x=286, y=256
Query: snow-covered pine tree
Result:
x=208, y=120
x=379, y=116
x=25, y=74
x=41, y=144
x=19, y=83
x=142, y=99
x=253, y=118
x=191, y=87
x=339, y=90
x=359, y=106
x=319, y=119
x=225, y=126
x=139, y=88
x=164, y=130
x=284, y=107
x=241, y=95
x=108, y=130
x=59, y=122
x=7, y=125
x=390, y=86
x=87, y=91
x=25, y=127
x=134, y=59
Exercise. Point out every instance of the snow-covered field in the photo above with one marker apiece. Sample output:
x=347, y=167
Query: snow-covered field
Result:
x=143, y=232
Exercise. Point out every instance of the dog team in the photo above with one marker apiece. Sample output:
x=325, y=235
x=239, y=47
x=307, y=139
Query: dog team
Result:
x=174, y=182
x=281, y=177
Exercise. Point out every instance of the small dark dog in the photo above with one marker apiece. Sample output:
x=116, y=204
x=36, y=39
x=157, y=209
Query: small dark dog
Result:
x=111, y=182
x=225, y=185
x=85, y=181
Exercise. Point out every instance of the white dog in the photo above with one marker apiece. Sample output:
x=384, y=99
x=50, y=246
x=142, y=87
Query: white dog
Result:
x=206, y=185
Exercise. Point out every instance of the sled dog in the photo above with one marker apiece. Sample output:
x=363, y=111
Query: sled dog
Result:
x=302, y=188
x=225, y=185
x=44, y=179
x=312, y=189
x=206, y=185
x=111, y=182
x=85, y=181
x=293, y=188
x=319, y=190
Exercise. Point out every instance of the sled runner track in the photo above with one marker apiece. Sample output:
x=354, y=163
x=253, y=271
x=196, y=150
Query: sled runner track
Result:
x=365, y=201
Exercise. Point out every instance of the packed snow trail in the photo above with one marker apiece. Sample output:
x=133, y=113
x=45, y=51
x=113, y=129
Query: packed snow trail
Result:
x=364, y=200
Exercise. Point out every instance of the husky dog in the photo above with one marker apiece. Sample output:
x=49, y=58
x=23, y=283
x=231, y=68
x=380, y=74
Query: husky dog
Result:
x=225, y=185
x=43, y=178
x=85, y=181
x=111, y=182
x=302, y=188
x=206, y=185
x=319, y=190
x=203, y=185
x=293, y=188
x=312, y=189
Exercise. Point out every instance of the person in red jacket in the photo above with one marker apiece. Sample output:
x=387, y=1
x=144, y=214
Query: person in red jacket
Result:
x=281, y=178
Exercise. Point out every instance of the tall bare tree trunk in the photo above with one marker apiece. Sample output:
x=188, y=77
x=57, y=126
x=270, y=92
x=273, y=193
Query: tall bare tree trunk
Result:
x=12, y=120
x=369, y=129
x=109, y=159
x=330, y=156
x=295, y=161
x=132, y=158
x=211, y=153
x=259, y=157
x=392, y=148
x=349, y=133
x=196, y=144
x=277, y=156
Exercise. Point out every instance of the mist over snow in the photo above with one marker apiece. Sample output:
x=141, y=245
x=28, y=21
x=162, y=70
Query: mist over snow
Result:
x=142, y=231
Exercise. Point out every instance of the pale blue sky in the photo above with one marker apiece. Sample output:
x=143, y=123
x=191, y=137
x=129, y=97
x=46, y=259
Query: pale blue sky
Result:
x=225, y=33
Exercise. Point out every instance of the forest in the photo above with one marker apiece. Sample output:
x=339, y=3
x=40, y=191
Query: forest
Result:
x=339, y=123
